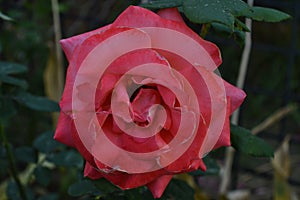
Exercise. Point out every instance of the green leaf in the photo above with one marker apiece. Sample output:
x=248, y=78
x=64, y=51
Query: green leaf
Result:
x=42, y=175
x=238, y=34
x=26, y=154
x=36, y=102
x=45, y=143
x=13, y=81
x=159, y=4
x=81, y=188
x=69, y=158
x=135, y=194
x=100, y=187
x=212, y=168
x=12, y=192
x=247, y=143
x=267, y=14
x=105, y=187
x=11, y=68
x=241, y=25
x=208, y=11
x=5, y=17
x=178, y=190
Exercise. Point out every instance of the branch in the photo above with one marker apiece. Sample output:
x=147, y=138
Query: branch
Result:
x=275, y=117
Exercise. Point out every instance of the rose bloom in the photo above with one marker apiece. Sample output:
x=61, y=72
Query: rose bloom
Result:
x=142, y=101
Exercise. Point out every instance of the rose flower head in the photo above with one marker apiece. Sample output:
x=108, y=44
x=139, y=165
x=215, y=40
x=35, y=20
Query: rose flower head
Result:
x=142, y=101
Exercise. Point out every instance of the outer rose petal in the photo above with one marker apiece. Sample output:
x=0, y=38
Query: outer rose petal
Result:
x=224, y=138
x=236, y=95
x=71, y=43
x=235, y=98
x=91, y=172
x=63, y=130
x=158, y=186
x=171, y=14
x=144, y=18
x=127, y=181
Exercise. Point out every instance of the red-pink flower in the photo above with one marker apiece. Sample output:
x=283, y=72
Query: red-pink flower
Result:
x=142, y=101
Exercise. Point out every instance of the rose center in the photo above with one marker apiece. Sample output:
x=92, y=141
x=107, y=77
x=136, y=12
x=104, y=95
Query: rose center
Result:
x=141, y=101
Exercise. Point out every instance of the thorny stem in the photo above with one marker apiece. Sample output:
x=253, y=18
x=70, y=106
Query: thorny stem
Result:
x=12, y=163
x=226, y=175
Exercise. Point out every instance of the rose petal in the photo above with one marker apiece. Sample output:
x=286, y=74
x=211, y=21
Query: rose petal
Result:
x=167, y=95
x=63, y=130
x=158, y=186
x=236, y=95
x=80, y=146
x=103, y=91
x=128, y=181
x=128, y=142
x=171, y=14
x=164, y=32
x=91, y=172
x=142, y=104
x=189, y=160
x=224, y=138
x=71, y=43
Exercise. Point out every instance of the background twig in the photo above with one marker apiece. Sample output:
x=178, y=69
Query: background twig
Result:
x=275, y=117
x=226, y=174
x=58, y=50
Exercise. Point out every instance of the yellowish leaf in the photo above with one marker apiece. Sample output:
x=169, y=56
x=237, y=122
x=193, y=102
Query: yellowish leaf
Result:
x=53, y=80
x=281, y=164
x=3, y=190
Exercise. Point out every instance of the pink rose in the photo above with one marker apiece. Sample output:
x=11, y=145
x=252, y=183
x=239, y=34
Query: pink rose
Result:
x=142, y=101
